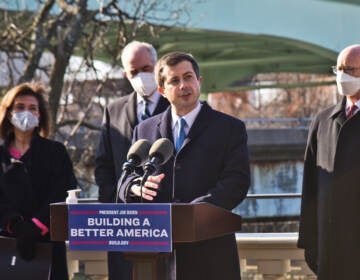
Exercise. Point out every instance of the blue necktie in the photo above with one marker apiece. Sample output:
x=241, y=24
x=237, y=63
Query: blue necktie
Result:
x=145, y=113
x=180, y=135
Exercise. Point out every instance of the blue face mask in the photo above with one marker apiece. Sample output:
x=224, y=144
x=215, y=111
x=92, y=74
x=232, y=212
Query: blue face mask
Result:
x=24, y=120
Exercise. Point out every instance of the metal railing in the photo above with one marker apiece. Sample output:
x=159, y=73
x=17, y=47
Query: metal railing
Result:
x=300, y=122
x=249, y=196
x=273, y=195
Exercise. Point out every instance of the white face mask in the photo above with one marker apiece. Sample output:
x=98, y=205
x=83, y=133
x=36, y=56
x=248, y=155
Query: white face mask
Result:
x=144, y=83
x=24, y=120
x=347, y=84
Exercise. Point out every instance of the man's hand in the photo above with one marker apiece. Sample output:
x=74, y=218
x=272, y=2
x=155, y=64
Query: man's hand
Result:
x=149, y=190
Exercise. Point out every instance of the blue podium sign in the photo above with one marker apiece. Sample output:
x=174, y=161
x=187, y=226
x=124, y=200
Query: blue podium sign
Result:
x=120, y=227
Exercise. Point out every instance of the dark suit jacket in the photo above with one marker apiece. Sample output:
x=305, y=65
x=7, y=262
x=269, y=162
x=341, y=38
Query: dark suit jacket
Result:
x=331, y=194
x=212, y=166
x=115, y=140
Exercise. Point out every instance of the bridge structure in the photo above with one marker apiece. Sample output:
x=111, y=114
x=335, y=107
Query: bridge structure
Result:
x=235, y=40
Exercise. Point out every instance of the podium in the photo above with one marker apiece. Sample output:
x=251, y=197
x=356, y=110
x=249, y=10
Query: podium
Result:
x=190, y=223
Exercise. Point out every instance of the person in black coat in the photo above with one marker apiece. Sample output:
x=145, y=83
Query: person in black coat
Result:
x=329, y=226
x=34, y=172
x=120, y=118
x=210, y=164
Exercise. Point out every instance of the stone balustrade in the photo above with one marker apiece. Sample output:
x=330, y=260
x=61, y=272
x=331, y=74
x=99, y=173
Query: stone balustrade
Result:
x=263, y=256
x=271, y=256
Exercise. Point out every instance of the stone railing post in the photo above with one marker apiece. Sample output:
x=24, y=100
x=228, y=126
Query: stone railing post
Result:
x=273, y=255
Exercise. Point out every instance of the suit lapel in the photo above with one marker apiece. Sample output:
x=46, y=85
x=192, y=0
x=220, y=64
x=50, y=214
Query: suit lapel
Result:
x=165, y=125
x=131, y=112
x=201, y=123
x=338, y=113
x=131, y=108
x=163, y=103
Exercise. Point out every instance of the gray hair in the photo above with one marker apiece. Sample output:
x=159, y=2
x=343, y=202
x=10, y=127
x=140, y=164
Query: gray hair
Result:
x=137, y=45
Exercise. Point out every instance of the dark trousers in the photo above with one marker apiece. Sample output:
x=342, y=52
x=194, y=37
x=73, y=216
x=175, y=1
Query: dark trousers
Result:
x=118, y=267
x=59, y=269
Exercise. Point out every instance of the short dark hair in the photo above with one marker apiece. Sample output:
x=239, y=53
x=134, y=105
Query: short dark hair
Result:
x=36, y=90
x=172, y=59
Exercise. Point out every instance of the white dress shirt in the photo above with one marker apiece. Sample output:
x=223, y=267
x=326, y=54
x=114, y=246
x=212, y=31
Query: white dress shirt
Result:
x=189, y=119
x=152, y=103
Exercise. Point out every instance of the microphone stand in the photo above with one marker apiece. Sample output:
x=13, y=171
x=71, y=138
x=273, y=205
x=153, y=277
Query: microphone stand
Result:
x=127, y=168
x=150, y=168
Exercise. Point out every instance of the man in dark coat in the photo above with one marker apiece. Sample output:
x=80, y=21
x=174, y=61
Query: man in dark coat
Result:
x=120, y=118
x=211, y=165
x=329, y=226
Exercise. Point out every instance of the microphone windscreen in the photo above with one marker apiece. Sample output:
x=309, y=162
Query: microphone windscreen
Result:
x=139, y=151
x=162, y=149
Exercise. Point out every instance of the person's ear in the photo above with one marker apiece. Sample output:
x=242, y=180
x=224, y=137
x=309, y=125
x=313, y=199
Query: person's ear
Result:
x=199, y=82
x=8, y=115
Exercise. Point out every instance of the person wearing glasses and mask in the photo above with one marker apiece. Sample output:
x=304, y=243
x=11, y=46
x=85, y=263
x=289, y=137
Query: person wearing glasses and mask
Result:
x=329, y=225
x=120, y=118
x=34, y=172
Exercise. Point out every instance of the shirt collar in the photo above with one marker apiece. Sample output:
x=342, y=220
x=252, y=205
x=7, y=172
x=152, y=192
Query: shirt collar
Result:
x=154, y=98
x=189, y=117
x=349, y=104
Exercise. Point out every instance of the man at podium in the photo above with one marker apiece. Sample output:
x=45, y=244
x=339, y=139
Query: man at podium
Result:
x=209, y=163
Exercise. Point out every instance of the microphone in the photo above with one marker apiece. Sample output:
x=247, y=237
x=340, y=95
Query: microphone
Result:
x=160, y=153
x=136, y=156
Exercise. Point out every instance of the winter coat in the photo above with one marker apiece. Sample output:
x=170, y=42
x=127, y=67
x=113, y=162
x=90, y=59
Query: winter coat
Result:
x=212, y=166
x=28, y=186
x=329, y=222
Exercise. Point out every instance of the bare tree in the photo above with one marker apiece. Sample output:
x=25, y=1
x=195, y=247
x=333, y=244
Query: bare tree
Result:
x=63, y=27
x=40, y=44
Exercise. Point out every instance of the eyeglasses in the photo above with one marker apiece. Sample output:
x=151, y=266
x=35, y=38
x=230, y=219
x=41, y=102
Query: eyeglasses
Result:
x=346, y=69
